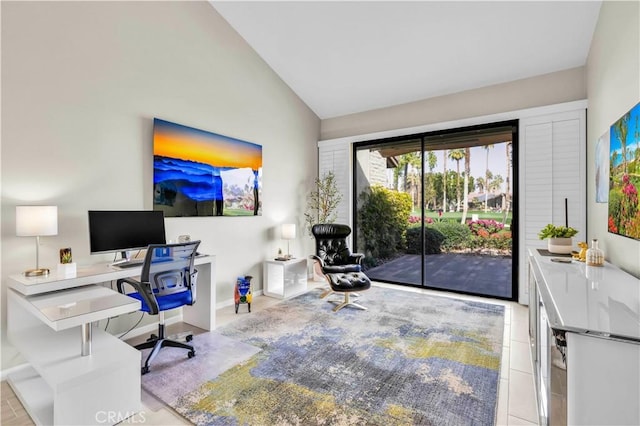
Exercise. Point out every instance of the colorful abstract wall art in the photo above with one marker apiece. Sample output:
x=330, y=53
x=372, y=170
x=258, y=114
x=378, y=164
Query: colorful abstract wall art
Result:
x=199, y=173
x=601, y=157
x=624, y=175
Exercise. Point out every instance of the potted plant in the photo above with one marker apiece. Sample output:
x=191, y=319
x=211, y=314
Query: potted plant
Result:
x=559, y=238
x=322, y=207
x=322, y=204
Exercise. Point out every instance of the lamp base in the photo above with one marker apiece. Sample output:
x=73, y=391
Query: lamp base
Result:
x=36, y=272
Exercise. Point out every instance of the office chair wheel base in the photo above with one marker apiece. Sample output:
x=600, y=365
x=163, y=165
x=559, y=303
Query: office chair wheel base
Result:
x=191, y=354
x=144, y=370
x=189, y=338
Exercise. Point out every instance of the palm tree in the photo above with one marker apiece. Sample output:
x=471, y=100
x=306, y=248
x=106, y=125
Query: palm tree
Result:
x=467, y=172
x=507, y=204
x=496, y=183
x=429, y=190
x=480, y=184
x=409, y=161
x=444, y=182
x=620, y=127
x=457, y=155
x=413, y=181
x=612, y=162
x=487, y=178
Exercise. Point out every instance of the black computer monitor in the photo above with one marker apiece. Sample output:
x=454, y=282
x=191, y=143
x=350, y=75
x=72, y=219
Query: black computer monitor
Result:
x=113, y=231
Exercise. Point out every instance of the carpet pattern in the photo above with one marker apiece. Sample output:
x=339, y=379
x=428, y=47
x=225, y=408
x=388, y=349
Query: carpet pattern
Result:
x=172, y=374
x=409, y=359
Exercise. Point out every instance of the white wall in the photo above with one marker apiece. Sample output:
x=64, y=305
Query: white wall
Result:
x=613, y=86
x=548, y=89
x=81, y=83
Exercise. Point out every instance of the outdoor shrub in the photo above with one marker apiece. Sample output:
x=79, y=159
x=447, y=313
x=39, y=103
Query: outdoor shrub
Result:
x=501, y=241
x=416, y=219
x=383, y=220
x=490, y=226
x=615, y=202
x=624, y=215
x=432, y=240
x=629, y=205
x=456, y=235
x=483, y=233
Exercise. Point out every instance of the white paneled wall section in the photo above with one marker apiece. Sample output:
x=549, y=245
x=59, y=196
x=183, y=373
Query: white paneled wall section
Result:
x=336, y=157
x=552, y=179
x=552, y=167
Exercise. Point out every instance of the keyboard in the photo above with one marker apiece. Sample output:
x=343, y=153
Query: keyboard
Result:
x=128, y=265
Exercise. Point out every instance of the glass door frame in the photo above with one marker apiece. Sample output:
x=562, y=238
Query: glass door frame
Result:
x=514, y=124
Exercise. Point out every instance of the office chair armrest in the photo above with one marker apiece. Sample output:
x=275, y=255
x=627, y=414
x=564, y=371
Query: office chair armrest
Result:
x=193, y=285
x=356, y=258
x=317, y=259
x=144, y=290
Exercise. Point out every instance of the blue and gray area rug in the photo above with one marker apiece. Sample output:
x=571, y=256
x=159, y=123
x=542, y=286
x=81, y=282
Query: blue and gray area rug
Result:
x=409, y=359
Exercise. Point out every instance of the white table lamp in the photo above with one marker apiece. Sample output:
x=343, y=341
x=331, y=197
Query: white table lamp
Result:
x=36, y=221
x=288, y=233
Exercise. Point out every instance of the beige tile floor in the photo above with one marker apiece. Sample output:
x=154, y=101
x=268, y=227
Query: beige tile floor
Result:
x=516, y=401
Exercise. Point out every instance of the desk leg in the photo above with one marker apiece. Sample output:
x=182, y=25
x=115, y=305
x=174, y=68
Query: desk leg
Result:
x=86, y=339
x=203, y=313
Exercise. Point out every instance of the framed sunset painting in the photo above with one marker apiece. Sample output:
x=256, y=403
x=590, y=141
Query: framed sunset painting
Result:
x=624, y=175
x=200, y=173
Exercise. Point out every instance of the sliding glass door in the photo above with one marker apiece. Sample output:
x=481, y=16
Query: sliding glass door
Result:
x=435, y=210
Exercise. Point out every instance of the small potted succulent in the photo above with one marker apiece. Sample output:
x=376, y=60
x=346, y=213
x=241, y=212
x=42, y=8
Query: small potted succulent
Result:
x=559, y=238
x=66, y=266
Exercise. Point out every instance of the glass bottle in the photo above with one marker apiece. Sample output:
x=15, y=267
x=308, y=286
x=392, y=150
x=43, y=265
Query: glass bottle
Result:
x=595, y=256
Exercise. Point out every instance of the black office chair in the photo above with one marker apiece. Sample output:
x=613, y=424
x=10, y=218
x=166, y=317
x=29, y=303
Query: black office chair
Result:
x=340, y=267
x=168, y=281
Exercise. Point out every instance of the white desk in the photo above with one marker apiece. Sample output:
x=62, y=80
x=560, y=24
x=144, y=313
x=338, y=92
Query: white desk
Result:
x=48, y=321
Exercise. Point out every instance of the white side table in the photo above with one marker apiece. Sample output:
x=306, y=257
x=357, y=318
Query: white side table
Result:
x=285, y=278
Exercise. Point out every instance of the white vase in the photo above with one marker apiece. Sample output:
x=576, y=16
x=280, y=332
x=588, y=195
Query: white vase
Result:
x=67, y=269
x=560, y=245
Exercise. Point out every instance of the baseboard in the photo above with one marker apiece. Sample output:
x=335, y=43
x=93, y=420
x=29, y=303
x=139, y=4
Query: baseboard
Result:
x=5, y=373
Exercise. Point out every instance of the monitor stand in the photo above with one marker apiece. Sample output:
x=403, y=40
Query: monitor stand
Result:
x=126, y=258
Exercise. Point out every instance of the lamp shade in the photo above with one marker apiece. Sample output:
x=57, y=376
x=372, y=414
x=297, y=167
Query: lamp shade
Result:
x=35, y=221
x=288, y=231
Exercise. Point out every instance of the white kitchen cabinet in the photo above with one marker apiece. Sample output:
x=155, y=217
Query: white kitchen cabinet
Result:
x=584, y=327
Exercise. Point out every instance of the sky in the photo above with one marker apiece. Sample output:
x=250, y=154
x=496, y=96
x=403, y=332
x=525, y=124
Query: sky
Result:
x=497, y=162
x=633, y=137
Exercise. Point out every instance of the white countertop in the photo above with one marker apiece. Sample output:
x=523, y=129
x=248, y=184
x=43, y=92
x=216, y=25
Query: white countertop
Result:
x=85, y=275
x=604, y=301
x=70, y=308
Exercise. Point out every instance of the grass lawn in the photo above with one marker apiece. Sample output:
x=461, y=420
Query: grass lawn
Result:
x=456, y=216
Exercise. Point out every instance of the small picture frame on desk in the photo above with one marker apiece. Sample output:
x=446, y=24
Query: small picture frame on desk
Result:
x=66, y=267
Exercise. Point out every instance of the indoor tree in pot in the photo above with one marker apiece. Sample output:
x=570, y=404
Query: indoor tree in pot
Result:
x=322, y=204
x=559, y=238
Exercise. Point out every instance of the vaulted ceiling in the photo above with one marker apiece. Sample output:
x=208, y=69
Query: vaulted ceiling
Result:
x=347, y=57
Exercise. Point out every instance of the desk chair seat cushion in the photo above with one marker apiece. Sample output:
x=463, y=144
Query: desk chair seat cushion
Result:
x=170, y=301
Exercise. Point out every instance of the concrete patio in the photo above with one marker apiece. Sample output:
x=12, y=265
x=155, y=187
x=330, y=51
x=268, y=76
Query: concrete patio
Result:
x=468, y=273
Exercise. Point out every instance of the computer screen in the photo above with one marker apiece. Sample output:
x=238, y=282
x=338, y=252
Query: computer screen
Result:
x=112, y=231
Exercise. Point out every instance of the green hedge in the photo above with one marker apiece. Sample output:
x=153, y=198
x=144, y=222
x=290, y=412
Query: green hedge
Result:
x=432, y=240
x=383, y=220
x=456, y=235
